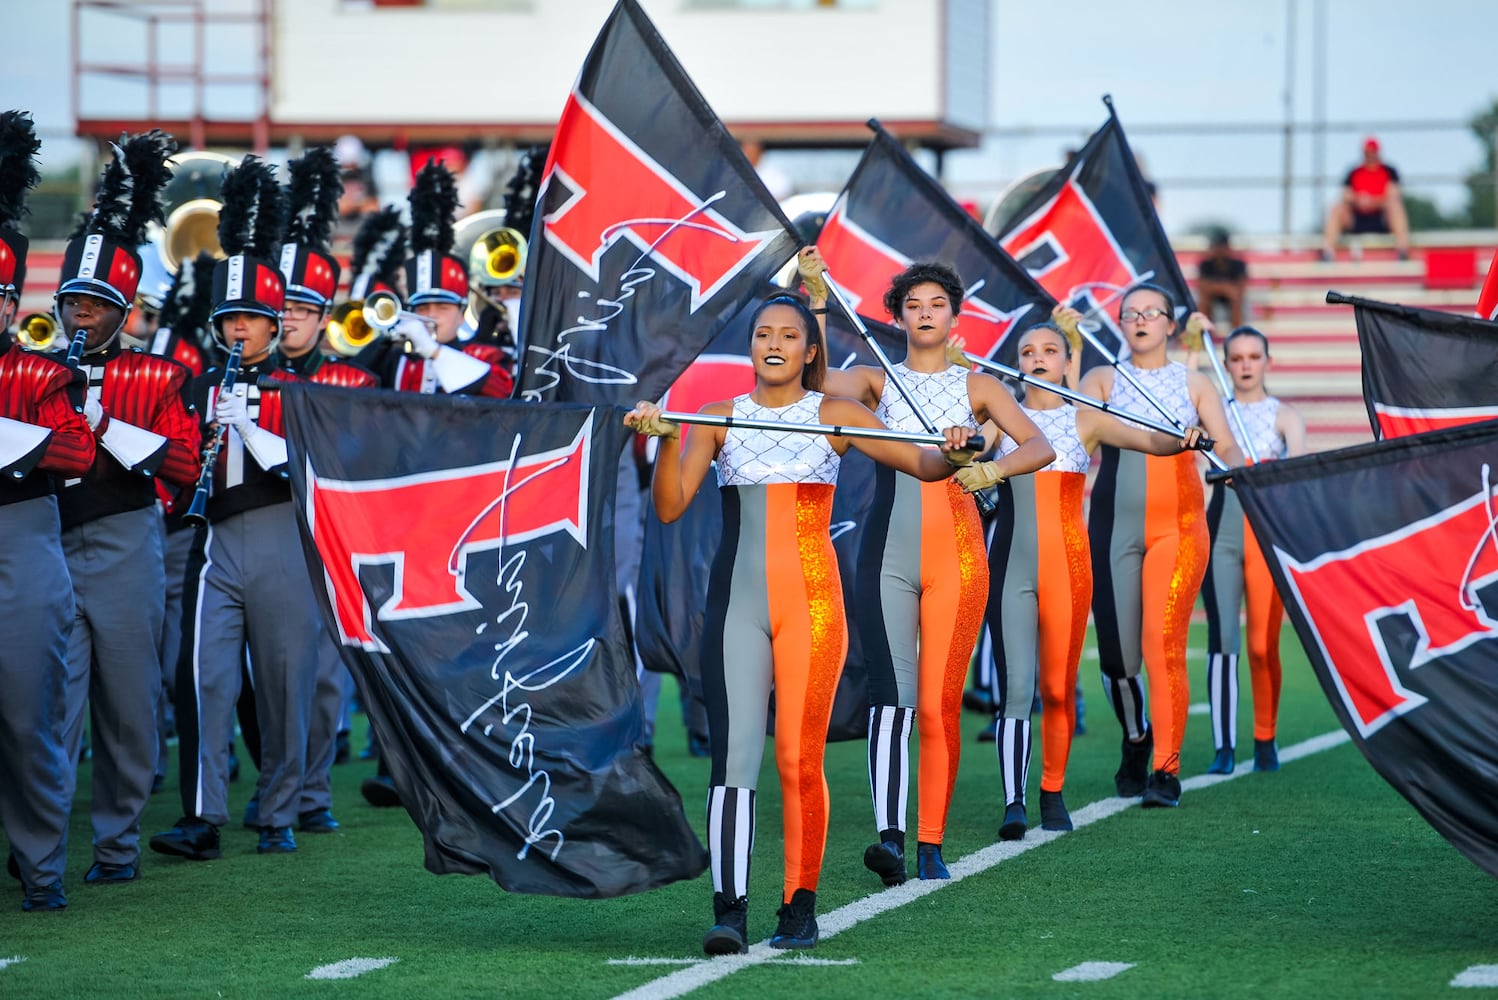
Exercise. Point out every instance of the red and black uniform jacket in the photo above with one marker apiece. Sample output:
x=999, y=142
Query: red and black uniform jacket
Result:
x=35, y=390
x=151, y=393
x=398, y=369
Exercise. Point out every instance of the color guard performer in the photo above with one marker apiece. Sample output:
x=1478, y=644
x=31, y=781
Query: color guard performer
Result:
x=137, y=405
x=1236, y=568
x=43, y=433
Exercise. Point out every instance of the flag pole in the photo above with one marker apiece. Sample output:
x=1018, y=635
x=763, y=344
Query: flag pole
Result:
x=1229, y=398
x=975, y=443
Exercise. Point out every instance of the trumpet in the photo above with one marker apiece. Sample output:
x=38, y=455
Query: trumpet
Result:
x=197, y=513
x=348, y=334
x=39, y=332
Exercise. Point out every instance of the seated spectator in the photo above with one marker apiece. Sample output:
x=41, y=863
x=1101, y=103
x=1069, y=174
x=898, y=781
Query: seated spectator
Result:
x=1371, y=203
x=1221, y=279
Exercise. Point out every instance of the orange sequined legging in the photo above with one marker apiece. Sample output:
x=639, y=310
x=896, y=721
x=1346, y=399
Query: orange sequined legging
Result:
x=775, y=616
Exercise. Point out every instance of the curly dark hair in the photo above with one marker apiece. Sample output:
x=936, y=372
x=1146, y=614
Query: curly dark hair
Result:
x=918, y=274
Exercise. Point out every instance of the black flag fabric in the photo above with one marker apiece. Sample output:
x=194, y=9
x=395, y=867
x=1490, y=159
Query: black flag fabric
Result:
x=1387, y=559
x=677, y=556
x=892, y=213
x=1091, y=232
x=651, y=231
x=1423, y=369
x=463, y=554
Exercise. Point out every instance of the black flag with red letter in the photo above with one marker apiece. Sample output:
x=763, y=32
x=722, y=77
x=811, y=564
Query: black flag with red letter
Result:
x=1423, y=369
x=651, y=230
x=677, y=556
x=892, y=213
x=463, y=554
x=1394, y=593
x=1091, y=232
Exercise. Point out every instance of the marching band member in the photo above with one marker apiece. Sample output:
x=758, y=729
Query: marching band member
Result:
x=247, y=585
x=1148, y=531
x=138, y=408
x=1236, y=568
x=43, y=433
x=1041, y=576
x=311, y=272
x=437, y=288
x=922, y=569
x=774, y=603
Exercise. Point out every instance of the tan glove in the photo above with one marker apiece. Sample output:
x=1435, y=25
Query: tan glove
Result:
x=810, y=267
x=645, y=418
x=1070, y=322
x=1191, y=337
x=981, y=476
x=955, y=353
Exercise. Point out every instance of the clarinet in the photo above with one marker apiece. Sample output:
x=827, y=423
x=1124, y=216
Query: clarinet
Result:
x=197, y=513
x=75, y=349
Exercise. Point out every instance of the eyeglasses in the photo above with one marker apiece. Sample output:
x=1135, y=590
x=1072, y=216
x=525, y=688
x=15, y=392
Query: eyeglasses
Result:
x=1148, y=315
x=299, y=311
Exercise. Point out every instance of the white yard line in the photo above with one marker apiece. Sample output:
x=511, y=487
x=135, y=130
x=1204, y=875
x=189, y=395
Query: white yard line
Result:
x=350, y=967
x=13, y=960
x=1092, y=972
x=1477, y=976
x=697, y=976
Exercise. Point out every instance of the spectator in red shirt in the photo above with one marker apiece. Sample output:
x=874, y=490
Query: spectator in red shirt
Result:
x=1371, y=203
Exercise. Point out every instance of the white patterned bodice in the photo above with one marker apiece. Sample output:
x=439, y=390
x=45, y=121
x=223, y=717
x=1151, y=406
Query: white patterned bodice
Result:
x=1168, y=385
x=1059, y=425
x=1259, y=419
x=755, y=457
x=942, y=395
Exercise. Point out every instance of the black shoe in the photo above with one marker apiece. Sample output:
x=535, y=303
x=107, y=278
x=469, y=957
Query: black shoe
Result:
x=44, y=897
x=1222, y=763
x=102, y=871
x=798, y=922
x=1134, y=768
x=990, y=732
x=1053, y=814
x=697, y=745
x=978, y=700
x=887, y=860
x=1326, y=256
x=730, y=933
x=252, y=813
x=276, y=840
x=380, y=792
x=1015, y=822
x=1266, y=756
x=317, y=821
x=1162, y=791
x=191, y=838
x=928, y=862
x=341, y=748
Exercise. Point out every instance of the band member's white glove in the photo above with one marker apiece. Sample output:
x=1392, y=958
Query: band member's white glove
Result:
x=418, y=335
x=93, y=412
x=233, y=410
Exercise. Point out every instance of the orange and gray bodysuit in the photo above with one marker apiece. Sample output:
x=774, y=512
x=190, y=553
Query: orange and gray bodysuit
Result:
x=1148, y=531
x=1040, y=588
x=1235, y=570
x=774, y=619
x=923, y=581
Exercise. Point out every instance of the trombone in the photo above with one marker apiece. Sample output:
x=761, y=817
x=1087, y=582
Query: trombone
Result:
x=39, y=332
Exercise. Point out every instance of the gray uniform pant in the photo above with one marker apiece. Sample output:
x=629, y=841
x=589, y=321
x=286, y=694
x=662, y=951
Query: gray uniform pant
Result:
x=33, y=679
x=322, y=734
x=248, y=587
x=177, y=547
x=114, y=670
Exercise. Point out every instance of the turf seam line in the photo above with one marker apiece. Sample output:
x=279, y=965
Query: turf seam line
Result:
x=686, y=980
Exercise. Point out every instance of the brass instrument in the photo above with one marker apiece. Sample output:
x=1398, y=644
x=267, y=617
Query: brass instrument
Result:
x=495, y=254
x=382, y=313
x=39, y=332
x=197, y=513
x=347, y=333
x=191, y=203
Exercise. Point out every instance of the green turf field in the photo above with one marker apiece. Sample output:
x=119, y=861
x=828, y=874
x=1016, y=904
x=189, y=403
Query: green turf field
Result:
x=1315, y=881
